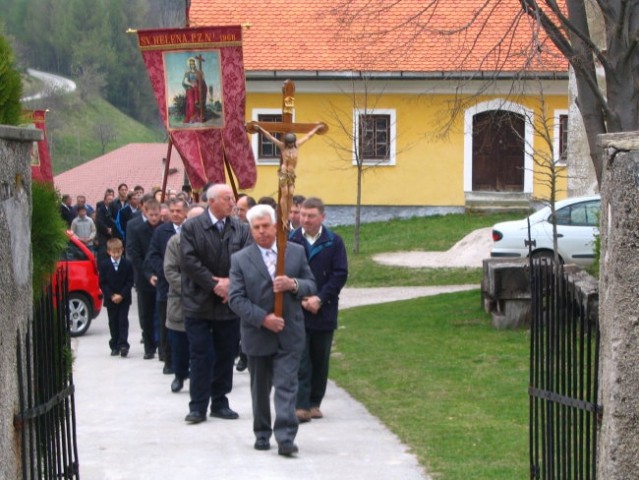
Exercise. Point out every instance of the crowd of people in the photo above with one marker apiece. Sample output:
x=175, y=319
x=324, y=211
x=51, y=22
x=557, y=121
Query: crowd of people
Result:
x=205, y=279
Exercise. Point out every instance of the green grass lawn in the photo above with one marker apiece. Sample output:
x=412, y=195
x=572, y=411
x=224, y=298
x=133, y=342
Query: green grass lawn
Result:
x=448, y=384
x=433, y=369
x=436, y=233
x=75, y=141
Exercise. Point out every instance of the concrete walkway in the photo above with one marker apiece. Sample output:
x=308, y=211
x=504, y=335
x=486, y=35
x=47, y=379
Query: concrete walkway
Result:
x=130, y=425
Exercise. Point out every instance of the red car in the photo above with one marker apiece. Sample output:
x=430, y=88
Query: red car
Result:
x=85, y=296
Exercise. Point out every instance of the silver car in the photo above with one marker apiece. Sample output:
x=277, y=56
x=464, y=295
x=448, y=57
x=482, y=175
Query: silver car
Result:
x=577, y=222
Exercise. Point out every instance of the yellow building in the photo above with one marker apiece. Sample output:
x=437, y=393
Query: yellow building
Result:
x=438, y=118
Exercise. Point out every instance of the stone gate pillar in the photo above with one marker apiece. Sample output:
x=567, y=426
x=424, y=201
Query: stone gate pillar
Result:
x=15, y=280
x=618, y=452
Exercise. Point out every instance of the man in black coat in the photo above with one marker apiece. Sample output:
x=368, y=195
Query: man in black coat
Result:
x=137, y=246
x=104, y=224
x=66, y=212
x=213, y=329
x=154, y=270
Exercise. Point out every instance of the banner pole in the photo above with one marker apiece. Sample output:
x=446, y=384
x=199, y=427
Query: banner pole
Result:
x=229, y=172
x=165, y=178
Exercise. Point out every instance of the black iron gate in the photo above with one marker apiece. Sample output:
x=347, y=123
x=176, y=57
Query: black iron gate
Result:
x=47, y=410
x=564, y=364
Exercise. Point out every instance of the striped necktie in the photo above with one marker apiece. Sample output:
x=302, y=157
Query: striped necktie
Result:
x=271, y=261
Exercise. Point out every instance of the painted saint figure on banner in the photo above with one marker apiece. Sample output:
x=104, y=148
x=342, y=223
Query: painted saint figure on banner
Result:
x=195, y=90
x=194, y=97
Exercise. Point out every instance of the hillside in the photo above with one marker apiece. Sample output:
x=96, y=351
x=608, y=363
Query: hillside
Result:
x=80, y=130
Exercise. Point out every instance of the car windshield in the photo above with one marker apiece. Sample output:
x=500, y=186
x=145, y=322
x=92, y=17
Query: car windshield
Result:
x=540, y=215
x=73, y=253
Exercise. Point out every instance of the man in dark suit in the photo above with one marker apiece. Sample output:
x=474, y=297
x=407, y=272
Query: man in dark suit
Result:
x=154, y=270
x=116, y=282
x=104, y=224
x=273, y=344
x=213, y=329
x=327, y=257
x=117, y=204
x=66, y=211
x=137, y=246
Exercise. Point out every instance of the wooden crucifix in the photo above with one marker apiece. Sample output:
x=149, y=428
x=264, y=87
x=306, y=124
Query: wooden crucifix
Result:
x=286, y=173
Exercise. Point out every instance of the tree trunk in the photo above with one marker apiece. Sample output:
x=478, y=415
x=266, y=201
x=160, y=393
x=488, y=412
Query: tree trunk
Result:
x=358, y=208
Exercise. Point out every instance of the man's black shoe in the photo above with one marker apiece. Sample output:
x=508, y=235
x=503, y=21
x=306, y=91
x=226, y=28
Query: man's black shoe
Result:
x=241, y=363
x=177, y=384
x=149, y=356
x=114, y=352
x=124, y=351
x=225, y=412
x=262, y=444
x=167, y=370
x=195, y=417
x=287, y=449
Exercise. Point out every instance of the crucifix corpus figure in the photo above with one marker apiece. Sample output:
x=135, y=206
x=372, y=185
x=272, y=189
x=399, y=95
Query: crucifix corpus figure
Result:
x=289, y=149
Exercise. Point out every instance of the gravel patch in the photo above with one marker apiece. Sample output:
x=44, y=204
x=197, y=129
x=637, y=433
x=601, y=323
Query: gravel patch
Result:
x=468, y=252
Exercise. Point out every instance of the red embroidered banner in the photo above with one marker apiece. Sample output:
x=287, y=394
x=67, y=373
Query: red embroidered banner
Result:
x=40, y=159
x=198, y=80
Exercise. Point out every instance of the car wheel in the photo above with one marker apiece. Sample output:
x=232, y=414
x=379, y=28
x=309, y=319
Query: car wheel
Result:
x=79, y=314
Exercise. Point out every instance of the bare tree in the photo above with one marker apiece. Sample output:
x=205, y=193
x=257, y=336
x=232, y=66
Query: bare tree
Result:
x=564, y=23
x=91, y=82
x=105, y=133
x=362, y=103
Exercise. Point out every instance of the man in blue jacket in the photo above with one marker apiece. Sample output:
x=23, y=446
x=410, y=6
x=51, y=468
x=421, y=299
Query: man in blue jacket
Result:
x=326, y=256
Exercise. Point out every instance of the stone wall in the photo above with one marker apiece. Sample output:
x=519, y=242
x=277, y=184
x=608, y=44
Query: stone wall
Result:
x=618, y=452
x=345, y=214
x=15, y=280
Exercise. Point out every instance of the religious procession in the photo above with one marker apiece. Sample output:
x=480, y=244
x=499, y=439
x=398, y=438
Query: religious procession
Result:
x=343, y=239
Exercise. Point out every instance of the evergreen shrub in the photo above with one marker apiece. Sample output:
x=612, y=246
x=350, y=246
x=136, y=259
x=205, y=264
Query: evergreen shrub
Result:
x=10, y=86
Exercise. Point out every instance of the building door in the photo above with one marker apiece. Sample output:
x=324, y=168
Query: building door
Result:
x=498, y=151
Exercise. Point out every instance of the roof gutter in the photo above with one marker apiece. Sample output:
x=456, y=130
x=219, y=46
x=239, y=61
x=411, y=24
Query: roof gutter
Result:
x=266, y=75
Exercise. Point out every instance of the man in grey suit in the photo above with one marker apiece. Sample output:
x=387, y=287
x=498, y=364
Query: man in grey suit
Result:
x=273, y=344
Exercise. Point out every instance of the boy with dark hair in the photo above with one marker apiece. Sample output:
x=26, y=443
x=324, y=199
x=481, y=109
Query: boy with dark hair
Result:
x=116, y=282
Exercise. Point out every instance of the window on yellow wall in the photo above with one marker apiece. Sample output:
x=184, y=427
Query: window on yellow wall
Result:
x=560, y=140
x=266, y=149
x=563, y=137
x=375, y=137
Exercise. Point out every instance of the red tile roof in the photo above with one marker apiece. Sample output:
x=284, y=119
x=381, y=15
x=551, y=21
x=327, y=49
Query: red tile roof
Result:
x=133, y=164
x=380, y=35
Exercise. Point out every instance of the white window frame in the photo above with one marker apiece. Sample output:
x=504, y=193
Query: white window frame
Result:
x=392, y=159
x=556, y=141
x=255, y=113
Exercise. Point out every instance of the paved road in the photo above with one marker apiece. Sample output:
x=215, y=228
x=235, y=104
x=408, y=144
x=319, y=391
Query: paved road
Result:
x=52, y=82
x=130, y=426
